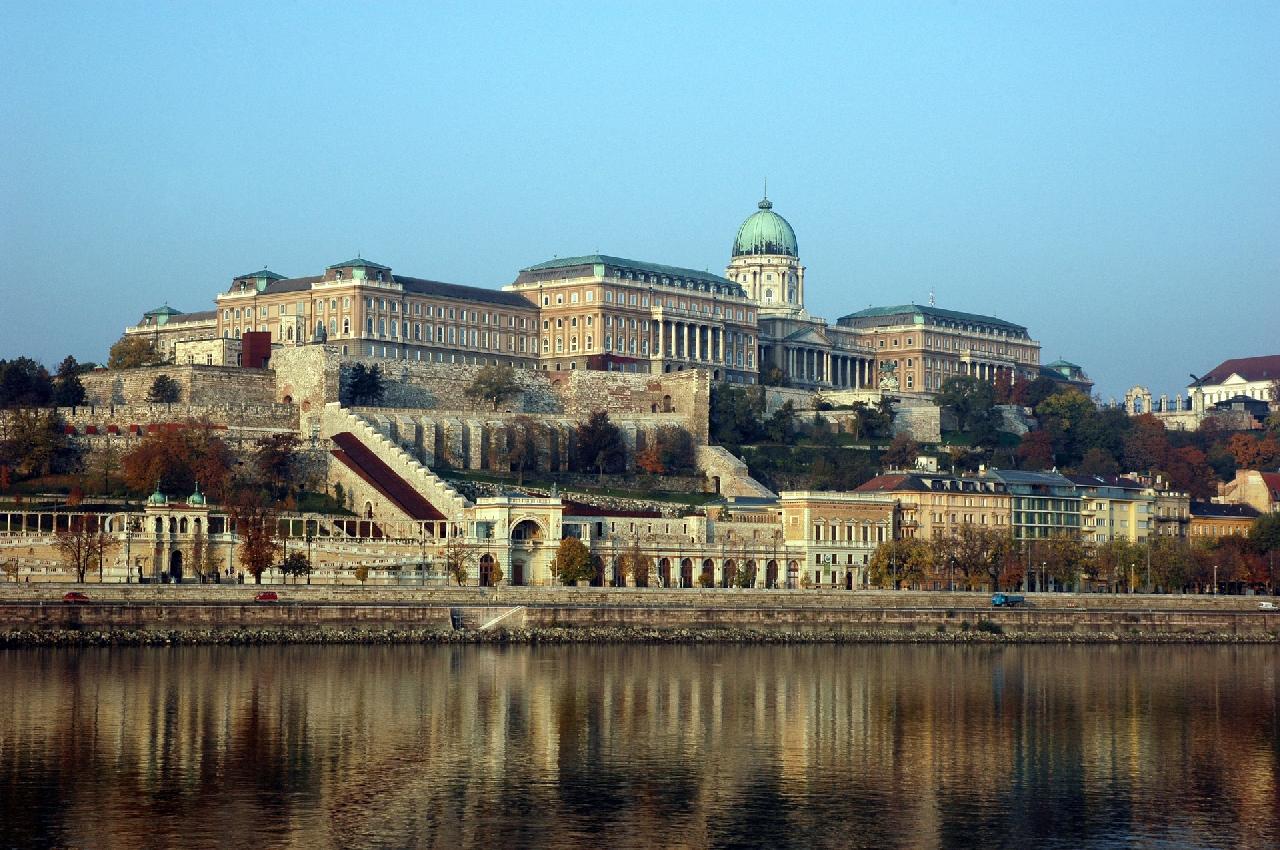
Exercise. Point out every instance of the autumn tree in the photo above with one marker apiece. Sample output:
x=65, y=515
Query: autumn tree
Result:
x=635, y=563
x=1035, y=451
x=178, y=457
x=458, y=558
x=983, y=553
x=83, y=543
x=599, y=445
x=256, y=527
x=669, y=452
x=968, y=398
x=1172, y=563
x=494, y=384
x=522, y=446
x=572, y=562
x=898, y=562
x=902, y=453
x=130, y=352
x=35, y=443
x=1114, y=560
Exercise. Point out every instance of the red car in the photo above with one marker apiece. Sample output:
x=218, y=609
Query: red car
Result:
x=266, y=596
x=74, y=597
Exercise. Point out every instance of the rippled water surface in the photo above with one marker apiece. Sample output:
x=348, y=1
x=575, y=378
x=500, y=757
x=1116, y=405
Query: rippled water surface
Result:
x=636, y=746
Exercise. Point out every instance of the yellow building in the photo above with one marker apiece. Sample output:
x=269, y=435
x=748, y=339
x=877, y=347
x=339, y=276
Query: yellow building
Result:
x=367, y=311
x=836, y=532
x=612, y=314
x=934, y=505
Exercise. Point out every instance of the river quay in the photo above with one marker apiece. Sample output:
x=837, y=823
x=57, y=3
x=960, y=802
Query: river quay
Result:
x=217, y=614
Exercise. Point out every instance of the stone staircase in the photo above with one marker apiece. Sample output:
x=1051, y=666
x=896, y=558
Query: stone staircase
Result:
x=435, y=489
x=735, y=480
x=485, y=619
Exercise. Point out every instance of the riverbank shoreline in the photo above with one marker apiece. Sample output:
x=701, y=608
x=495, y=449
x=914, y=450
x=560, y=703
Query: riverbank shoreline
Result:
x=982, y=634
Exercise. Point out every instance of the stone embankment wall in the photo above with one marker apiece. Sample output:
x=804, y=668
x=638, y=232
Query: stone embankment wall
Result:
x=636, y=614
x=138, y=418
x=200, y=384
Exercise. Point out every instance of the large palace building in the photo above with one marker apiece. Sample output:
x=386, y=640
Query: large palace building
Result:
x=609, y=313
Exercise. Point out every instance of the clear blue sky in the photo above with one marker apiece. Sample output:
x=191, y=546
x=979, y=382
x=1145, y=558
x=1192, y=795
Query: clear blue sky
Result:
x=1107, y=174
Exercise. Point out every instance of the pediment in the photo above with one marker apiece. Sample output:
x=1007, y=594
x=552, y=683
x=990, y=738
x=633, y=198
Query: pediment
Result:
x=808, y=336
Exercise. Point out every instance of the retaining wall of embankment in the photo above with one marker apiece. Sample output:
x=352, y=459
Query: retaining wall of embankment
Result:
x=305, y=613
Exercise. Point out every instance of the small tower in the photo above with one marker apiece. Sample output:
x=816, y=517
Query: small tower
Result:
x=766, y=261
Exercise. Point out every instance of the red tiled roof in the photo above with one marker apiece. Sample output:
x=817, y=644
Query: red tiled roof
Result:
x=361, y=460
x=1272, y=480
x=891, y=481
x=1249, y=368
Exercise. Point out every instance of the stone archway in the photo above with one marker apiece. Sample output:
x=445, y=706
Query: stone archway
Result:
x=517, y=572
x=771, y=574
x=175, y=566
x=728, y=573
x=664, y=572
x=707, y=576
x=686, y=573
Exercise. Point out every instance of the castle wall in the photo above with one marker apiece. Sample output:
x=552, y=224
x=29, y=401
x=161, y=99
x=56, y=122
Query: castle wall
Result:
x=199, y=384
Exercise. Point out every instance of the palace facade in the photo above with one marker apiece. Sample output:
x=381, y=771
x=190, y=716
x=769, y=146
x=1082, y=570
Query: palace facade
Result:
x=610, y=313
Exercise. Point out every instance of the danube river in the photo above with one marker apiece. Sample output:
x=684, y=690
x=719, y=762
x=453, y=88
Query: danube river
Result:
x=641, y=746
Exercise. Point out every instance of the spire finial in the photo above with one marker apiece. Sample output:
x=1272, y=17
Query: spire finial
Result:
x=932, y=302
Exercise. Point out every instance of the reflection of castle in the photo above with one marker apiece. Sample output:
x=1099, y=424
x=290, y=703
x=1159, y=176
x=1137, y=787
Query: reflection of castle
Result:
x=614, y=746
x=610, y=313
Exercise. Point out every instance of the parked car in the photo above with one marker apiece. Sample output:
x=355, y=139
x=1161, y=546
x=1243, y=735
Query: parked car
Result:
x=266, y=596
x=75, y=597
x=1267, y=606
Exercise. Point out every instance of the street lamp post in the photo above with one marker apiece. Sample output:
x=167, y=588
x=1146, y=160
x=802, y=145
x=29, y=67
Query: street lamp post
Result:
x=1215, y=579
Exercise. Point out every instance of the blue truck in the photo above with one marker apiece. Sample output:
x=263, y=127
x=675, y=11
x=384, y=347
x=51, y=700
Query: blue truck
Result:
x=1007, y=600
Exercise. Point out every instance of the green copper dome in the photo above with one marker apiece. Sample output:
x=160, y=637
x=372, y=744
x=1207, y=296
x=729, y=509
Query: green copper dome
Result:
x=197, y=498
x=765, y=232
x=157, y=498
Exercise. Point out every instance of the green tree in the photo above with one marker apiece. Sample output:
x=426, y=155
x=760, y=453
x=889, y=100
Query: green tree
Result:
x=1065, y=416
x=969, y=399
x=781, y=426
x=599, y=445
x=902, y=453
x=24, y=383
x=68, y=391
x=493, y=384
x=297, y=564
x=362, y=386
x=1172, y=563
x=572, y=562
x=274, y=459
x=362, y=573
x=130, y=352
x=735, y=414
x=164, y=390
x=35, y=442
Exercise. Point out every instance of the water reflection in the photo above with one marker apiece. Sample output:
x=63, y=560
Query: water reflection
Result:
x=877, y=746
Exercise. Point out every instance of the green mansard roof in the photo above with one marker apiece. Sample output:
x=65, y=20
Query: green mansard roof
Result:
x=927, y=312
x=622, y=264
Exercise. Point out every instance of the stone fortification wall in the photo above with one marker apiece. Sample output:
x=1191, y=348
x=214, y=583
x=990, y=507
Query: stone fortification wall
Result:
x=686, y=395
x=311, y=376
x=199, y=384
x=134, y=418
x=922, y=422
